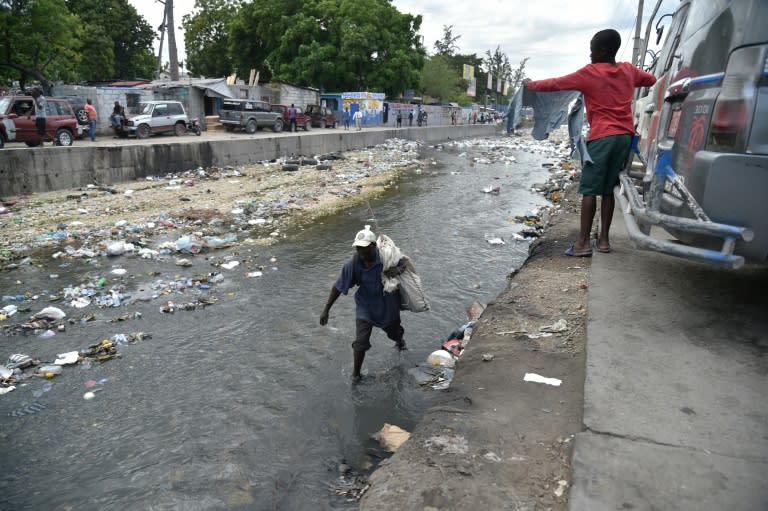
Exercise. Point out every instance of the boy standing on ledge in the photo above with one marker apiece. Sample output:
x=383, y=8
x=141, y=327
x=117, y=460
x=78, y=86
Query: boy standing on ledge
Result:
x=608, y=88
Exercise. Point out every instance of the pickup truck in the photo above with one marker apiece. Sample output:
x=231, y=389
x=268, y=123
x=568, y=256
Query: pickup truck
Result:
x=250, y=115
x=303, y=121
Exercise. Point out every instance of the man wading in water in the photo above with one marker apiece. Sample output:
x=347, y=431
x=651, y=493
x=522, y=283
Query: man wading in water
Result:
x=374, y=307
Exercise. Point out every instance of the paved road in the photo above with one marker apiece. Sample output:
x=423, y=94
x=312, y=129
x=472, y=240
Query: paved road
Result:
x=675, y=408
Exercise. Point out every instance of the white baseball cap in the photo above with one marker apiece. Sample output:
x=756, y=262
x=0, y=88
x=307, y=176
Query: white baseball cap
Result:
x=364, y=237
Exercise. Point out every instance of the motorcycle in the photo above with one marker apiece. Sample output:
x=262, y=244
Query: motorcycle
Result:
x=193, y=125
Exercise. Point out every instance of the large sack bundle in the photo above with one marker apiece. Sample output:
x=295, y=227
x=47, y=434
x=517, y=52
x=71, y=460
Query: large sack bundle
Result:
x=404, y=277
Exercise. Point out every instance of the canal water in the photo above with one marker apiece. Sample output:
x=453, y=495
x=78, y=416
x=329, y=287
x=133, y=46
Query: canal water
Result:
x=248, y=403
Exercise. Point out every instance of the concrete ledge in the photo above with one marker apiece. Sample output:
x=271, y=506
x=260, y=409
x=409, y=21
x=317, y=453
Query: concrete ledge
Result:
x=33, y=170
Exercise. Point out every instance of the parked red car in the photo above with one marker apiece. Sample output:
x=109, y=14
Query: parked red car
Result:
x=303, y=121
x=321, y=116
x=17, y=121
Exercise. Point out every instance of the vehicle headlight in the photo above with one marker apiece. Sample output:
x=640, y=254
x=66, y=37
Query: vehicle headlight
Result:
x=129, y=123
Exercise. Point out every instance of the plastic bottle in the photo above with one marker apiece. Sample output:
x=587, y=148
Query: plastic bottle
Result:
x=13, y=298
x=49, y=371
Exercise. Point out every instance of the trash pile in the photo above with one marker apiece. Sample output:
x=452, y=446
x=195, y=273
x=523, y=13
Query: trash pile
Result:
x=21, y=368
x=215, y=204
x=439, y=369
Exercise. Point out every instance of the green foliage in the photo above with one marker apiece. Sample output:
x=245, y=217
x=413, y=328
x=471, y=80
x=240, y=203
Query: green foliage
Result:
x=116, y=40
x=440, y=80
x=73, y=40
x=497, y=63
x=518, y=75
x=206, y=37
x=38, y=40
x=447, y=45
x=329, y=44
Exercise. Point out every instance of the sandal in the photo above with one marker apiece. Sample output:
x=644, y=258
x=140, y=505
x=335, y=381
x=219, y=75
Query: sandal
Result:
x=570, y=252
x=598, y=248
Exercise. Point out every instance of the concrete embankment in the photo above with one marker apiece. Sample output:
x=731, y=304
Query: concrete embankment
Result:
x=26, y=170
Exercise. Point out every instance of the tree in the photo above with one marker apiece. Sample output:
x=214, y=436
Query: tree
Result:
x=38, y=40
x=447, y=45
x=206, y=37
x=330, y=44
x=518, y=75
x=440, y=80
x=498, y=65
x=113, y=49
x=255, y=32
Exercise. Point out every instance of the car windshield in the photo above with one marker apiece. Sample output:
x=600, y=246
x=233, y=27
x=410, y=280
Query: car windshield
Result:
x=4, y=103
x=237, y=105
x=146, y=108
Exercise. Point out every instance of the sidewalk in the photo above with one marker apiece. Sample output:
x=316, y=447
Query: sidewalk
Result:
x=675, y=407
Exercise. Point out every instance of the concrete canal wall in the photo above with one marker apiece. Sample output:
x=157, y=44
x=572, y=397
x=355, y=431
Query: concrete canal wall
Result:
x=29, y=170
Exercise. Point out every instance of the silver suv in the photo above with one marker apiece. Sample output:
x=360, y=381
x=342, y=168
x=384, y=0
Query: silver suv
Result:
x=250, y=115
x=154, y=117
x=707, y=167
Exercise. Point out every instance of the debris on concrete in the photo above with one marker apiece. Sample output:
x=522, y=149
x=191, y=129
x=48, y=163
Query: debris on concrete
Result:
x=560, y=325
x=537, y=378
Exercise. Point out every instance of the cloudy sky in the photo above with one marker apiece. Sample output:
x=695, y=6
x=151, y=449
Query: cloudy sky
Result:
x=555, y=34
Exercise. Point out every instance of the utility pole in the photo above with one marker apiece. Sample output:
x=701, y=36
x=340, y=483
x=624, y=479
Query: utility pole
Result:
x=172, y=54
x=638, y=26
x=161, y=28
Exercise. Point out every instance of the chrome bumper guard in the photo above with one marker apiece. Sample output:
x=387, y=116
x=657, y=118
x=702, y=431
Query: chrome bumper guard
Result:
x=635, y=212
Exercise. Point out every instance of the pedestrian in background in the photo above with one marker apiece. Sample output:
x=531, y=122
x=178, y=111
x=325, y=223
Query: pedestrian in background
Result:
x=118, y=114
x=410, y=118
x=399, y=119
x=292, y=119
x=93, y=116
x=40, y=115
x=373, y=307
x=608, y=88
x=358, y=117
x=346, y=117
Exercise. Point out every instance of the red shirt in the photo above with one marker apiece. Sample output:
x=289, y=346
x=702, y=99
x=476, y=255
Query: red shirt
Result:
x=608, y=91
x=91, y=110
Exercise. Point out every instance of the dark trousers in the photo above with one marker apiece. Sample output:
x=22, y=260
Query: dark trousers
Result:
x=363, y=330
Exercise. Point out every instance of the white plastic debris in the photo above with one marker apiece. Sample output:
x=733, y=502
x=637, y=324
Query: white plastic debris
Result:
x=252, y=274
x=558, y=326
x=51, y=313
x=80, y=302
x=119, y=271
x=64, y=359
x=537, y=378
x=88, y=396
x=441, y=358
x=230, y=265
x=5, y=390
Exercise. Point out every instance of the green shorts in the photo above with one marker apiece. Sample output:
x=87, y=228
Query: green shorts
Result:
x=609, y=157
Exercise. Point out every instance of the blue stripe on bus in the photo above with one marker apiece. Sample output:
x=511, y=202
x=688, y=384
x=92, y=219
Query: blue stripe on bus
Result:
x=706, y=79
